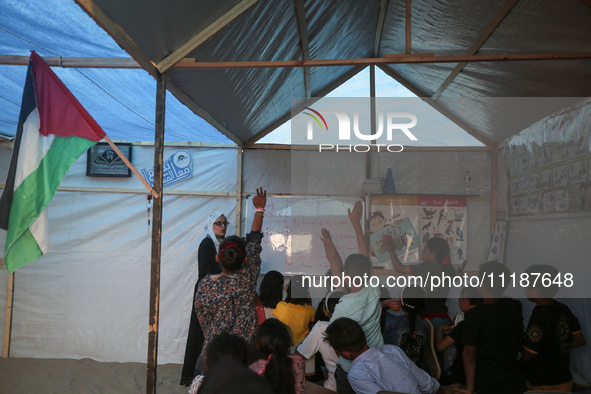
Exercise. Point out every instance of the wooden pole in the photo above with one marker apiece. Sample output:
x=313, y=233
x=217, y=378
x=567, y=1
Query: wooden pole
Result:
x=8, y=322
x=239, y=192
x=131, y=167
x=494, y=189
x=368, y=169
x=156, y=237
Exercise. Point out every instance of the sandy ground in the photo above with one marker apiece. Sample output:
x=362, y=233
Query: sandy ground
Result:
x=33, y=375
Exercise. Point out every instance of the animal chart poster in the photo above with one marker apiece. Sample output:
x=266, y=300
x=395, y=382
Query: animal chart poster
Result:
x=412, y=220
x=447, y=218
x=397, y=215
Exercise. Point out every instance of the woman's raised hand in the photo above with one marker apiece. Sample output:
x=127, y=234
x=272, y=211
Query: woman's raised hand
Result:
x=260, y=200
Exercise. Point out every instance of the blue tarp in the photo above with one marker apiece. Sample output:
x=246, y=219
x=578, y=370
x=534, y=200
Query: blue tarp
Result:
x=121, y=100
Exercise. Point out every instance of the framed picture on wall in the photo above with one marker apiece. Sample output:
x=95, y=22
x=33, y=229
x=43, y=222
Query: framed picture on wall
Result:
x=103, y=161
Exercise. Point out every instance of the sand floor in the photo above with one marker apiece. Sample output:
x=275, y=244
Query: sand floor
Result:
x=33, y=375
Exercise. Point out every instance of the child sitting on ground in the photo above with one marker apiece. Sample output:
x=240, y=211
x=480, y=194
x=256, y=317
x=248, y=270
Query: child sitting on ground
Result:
x=447, y=336
x=222, y=347
x=285, y=373
x=270, y=294
x=376, y=369
x=296, y=311
x=315, y=341
x=551, y=334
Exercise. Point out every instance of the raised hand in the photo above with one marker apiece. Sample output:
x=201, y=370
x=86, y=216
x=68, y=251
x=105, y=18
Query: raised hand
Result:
x=260, y=200
x=326, y=239
x=388, y=241
x=332, y=254
x=356, y=213
x=394, y=305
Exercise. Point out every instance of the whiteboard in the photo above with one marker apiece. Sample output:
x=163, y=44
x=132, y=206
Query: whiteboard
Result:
x=292, y=225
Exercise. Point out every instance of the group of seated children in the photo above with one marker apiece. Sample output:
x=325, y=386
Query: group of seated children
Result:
x=370, y=344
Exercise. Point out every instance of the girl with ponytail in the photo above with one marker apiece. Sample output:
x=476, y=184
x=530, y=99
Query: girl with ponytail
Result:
x=225, y=301
x=284, y=372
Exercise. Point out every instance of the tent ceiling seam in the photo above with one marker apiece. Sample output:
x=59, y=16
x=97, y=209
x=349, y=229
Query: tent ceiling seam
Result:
x=408, y=26
x=193, y=106
x=204, y=35
x=488, y=30
x=309, y=102
x=304, y=42
x=120, y=37
x=380, y=27
x=436, y=106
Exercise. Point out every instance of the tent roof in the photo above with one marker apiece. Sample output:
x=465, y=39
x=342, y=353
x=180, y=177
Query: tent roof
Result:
x=245, y=104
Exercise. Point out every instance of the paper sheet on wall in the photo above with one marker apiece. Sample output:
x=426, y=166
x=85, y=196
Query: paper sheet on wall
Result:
x=497, y=245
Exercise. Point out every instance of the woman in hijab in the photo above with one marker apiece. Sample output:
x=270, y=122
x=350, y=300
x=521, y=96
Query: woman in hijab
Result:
x=215, y=230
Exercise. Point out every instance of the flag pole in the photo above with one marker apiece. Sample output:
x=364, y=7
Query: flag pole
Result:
x=131, y=167
x=8, y=322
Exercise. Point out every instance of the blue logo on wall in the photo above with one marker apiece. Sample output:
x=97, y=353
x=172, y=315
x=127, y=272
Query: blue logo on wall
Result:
x=177, y=167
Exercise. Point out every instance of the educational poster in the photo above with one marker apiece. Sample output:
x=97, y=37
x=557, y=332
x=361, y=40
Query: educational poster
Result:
x=497, y=246
x=412, y=220
x=406, y=241
x=447, y=218
x=556, y=180
x=397, y=215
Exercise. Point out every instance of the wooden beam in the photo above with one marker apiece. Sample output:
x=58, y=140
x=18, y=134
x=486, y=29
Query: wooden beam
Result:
x=380, y=27
x=363, y=62
x=193, y=106
x=494, y=189
x=153, y=324
x=303, y=29
x=490, y=28
x=408, y=25
x=8, y=321
x=407, y=55
x=410, y=59
x=120, y=37
x=372, y=112
x=204, y=35
x=436, y=106
x=406, y=149
x=189, y=144
x=287, y=116
x=83, y=189
x=75, y=62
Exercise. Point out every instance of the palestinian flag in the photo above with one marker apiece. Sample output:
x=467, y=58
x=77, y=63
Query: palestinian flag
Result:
x=53, y=131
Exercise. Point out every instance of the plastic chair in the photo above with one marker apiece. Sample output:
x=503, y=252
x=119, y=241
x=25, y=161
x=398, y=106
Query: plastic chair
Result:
x=429, y=356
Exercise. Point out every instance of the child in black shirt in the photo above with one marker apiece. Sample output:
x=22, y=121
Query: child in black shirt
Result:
x=447, y=336
x=551, y=333
x=492, y=338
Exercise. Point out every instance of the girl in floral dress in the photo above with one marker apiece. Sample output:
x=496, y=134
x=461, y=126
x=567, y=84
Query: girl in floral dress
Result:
x=226, y=302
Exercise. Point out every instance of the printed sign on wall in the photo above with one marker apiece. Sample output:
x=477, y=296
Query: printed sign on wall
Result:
x=176, y=168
